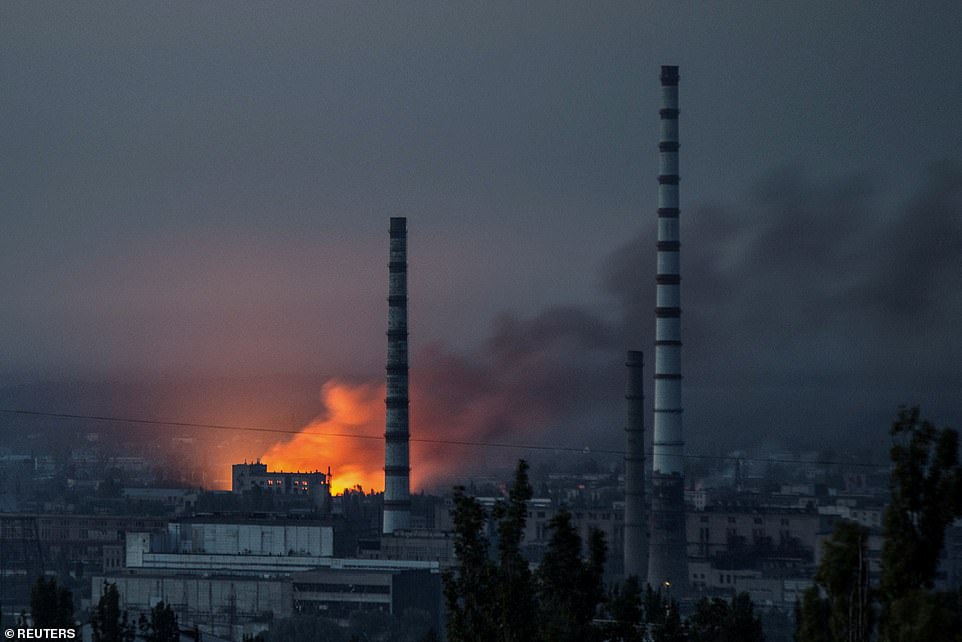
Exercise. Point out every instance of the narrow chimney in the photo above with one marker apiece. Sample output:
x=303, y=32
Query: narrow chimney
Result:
x=397, y=490
x=636, y=522
x=668, y=564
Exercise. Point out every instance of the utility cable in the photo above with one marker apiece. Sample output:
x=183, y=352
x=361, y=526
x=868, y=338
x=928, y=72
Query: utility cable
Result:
x=587, y=450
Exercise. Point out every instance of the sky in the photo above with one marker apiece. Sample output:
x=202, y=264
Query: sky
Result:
x=202, y=191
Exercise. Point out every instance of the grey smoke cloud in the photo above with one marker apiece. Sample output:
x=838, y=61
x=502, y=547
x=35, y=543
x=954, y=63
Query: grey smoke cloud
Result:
x=812, y=309
x=203, y=189
x=802, y=261
x=531, y=374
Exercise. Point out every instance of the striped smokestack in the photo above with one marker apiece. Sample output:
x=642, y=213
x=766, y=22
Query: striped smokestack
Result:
x=636, y=523
x=397, y=490
x=668, y=561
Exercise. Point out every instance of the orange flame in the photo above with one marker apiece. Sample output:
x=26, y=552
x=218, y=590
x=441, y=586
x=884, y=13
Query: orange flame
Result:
x=352, y=409
x=357, y=410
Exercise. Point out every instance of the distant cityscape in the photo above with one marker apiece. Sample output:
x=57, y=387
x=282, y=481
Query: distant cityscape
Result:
x=153, y=530
x=683, y=446
x=279, y=543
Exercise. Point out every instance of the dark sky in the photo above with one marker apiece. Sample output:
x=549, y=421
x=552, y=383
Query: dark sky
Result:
x=203, y=189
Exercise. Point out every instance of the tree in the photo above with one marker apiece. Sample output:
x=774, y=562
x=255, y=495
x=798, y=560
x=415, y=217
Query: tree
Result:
x=493, y=595
x=468, y=588
x=623, y=608
x=716, y=620
x=926, y=495
x=812, y=618
x=671, y=629
x=778, y=624
x=661, y=614
x=487, y=599
x=926, y=486
x=51, y=606
x=843, y=574
x=569, y=587
x=922, y=615
x=742, y=625
x=513, y=589
x=161, y=626
x=109, y=624
x=707, y=623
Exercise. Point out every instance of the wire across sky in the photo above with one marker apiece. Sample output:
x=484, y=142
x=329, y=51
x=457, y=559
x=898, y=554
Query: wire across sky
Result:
x=446, y=442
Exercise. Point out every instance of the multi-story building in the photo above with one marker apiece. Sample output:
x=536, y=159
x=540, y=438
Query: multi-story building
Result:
x=413, y=544
x=176, y=500
x=224, y=576
x=768, y=552
x=730, y=534
x=219, y=604
x=337, y=593
x=254, y=477
x=77, y=538
x=231, y=546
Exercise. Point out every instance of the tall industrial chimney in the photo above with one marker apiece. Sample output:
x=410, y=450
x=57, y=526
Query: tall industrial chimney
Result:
x=668, y=564
x=397, y=489
x=636, y=522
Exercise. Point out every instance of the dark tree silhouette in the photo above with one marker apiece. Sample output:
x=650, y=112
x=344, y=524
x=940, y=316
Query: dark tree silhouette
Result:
x=109, y=623
x=569, y=587
x=513, y=589
x=51, y=605
x=926, y=489
x=716, y=620
x=623, y=609
x=161, y=626
x=926, y=496
x=491, y=595
x=843, y=574
x=468, y=589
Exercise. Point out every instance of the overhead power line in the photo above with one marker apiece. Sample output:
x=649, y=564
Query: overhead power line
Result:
x=444, y=442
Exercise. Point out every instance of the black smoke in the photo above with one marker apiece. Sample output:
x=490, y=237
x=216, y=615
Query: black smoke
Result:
x=812, y=308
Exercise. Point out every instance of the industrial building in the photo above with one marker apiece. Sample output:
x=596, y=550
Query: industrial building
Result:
x=337, y=593
x=421, y=544
x=254, y=477
x=229, y=577
x=636, y=509
x=200, y=544
x=397, y=470
x=654, y=532
x=667, y=563
x=81, y=539
x=226, y=605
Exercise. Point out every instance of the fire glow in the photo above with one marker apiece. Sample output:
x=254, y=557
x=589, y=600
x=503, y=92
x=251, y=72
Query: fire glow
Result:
x=463, y=405
x=346, y=438
x=349, y=438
